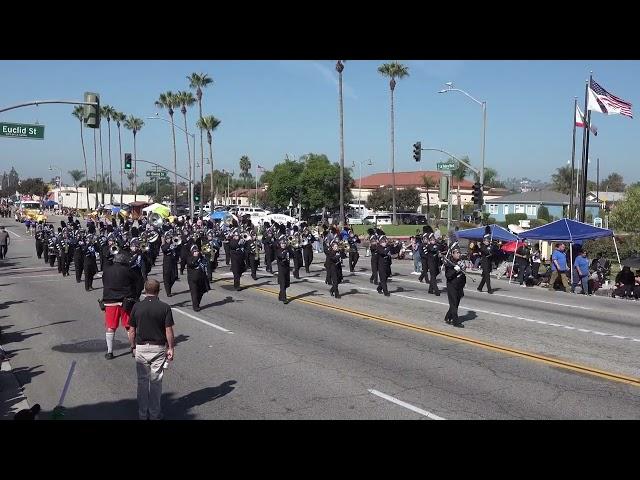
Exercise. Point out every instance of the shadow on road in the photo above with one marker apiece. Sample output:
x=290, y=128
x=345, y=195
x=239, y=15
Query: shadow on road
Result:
x=353, y=291
x=8, y=303
x=470, y=315
x=311, y=293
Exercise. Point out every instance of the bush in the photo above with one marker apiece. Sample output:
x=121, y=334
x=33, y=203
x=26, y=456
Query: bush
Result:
x=510, y=218
x=489, y=221
x=627, y=246
x=537, y=222
x=543, y=213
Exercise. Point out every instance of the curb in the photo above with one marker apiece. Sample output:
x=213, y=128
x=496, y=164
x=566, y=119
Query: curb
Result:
x=10, y=389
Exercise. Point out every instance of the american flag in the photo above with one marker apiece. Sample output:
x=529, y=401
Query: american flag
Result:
x=260, y=168
x=608, y=103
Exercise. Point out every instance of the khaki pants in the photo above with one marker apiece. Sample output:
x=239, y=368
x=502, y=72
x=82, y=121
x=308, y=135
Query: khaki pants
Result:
x=563, y=279
x=149, y=361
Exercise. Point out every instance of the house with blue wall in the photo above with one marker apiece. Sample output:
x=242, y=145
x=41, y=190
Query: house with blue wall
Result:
x=529, y=203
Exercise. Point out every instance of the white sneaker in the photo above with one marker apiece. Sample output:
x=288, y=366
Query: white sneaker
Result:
x=415, y=273
x=523, y=285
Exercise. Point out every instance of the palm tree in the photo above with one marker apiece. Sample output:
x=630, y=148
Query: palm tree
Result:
x=108, y=112
x=561, y=180
x=245, y=166
x=95, y=166
x=428, y=182
x=186, y=99
x=78, y=112
x=76, y=176
x=135, y=125
x=119, y=117
x=340, y=68
x=168, y=100
x=209, y=123
x=198, y=81
x=393, y=70
x=103, y=113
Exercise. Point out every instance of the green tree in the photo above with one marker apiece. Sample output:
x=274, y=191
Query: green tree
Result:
x=393, y=70
x=135, y=125
x=408, y=199
x=198, y=81
x=108, y=113
x=169, y=101
x=78, y=112
x=490, y=178
x=319, y=184
x=613, y=183
x=626, y=215
x=210, y=124
x=33, y=186
x=561, y=180
x=76, y=176
x=543, y=213
x=245, y=166
x=380, y=199
x=284, y=182
x=428, y=183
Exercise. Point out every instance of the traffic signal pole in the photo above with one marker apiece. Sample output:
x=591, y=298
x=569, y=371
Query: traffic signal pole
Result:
x=42, y=102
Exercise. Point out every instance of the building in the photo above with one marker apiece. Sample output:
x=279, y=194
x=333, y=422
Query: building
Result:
x=530, y=202
x=66, y=197
x=242, y=197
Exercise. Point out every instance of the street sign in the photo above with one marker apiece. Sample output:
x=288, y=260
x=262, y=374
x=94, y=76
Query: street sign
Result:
x=446, y=165
x=22, y=130
x=162, y=174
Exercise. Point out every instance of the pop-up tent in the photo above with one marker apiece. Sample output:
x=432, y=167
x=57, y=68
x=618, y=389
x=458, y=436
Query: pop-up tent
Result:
x=497, y=233
x=570, y=231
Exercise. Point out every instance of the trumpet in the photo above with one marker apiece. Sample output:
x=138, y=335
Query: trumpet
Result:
x=114, y=250
x=294, y=240
x=177, y=241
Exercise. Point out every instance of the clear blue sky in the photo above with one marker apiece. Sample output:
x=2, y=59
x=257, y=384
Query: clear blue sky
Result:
x=271, y=108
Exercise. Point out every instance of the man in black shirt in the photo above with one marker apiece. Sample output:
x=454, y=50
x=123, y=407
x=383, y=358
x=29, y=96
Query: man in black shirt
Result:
x=151, y=326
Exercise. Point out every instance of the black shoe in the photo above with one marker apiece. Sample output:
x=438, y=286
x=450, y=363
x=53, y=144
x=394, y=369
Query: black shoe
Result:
x=429, y=291
x=285, y=301
x=447, y=320
x=437, y=294
x=387, y=294
x=108, y=356
x=254, y=277
x=376, y=282
x=196, y=309
x=331, y=292
x=479, y=289
x=371, y=280
x=337, y=295
x=458, y=324
x=169, y=294
x=379, y=290
x=489, y=291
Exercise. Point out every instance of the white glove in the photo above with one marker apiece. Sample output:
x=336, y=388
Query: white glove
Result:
x=457, y=268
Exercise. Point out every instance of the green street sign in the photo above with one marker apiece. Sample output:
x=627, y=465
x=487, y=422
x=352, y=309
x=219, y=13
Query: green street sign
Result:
x=162, y=174
x=446, y=165
x=22, y=130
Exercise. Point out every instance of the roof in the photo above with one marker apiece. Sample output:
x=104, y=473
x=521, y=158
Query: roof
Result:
x=539, y=196
x=405, y=179
x=245, y=192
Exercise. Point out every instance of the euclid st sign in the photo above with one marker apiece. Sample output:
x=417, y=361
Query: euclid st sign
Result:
x=20, y=130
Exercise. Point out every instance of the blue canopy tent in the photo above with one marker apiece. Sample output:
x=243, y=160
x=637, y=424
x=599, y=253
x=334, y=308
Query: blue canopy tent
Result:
x=497, y=233
x=566, y=230
x=50, y=203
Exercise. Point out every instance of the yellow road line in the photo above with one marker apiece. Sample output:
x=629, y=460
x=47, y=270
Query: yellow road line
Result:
x=471, y=341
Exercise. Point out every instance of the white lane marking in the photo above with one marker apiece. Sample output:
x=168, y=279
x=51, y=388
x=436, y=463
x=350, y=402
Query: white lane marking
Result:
x=43, y=281
x=202, y=321
x=405, y=405
x=498, y=314
x=33, y=276
x=19, y=236
x=470, y=289
x=12, y=269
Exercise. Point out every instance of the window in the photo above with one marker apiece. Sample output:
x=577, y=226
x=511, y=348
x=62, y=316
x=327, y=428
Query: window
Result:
x=506, y=209
x=493, y=209
x=532, y=210
x=519, y=209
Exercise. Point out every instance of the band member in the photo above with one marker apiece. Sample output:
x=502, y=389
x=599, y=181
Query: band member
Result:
x=46, y=234
x=52, y=248
x=426, y=230
x=485, y=262
x=78, y=258
x=63, y=250
x=227, y=249
x=335, y=268
x=431, y=250
x=297, y=253
x=373, y=247
x=137, y=266
x=119, y=284
x=185, y=251
x=90, y=265
x=197, y=277
x=283, y=256
x=267, y=243
x=39, y=239
x=353, y=240
x=236, y=250
x=252, y=247
x=103, y=245
x=383, y=252
x=169, y=263
x=456, y=280
x=307, y=248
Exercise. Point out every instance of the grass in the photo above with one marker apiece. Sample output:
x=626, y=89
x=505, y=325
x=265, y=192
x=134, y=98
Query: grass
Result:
x=395, y=230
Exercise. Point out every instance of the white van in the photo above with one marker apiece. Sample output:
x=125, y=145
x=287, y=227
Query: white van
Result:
x=379, y=219
x=256, y=213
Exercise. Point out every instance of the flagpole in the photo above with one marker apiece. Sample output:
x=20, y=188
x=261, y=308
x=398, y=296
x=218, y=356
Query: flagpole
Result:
x=256, y=184
x=585, y=132
x=573, y=159
x=585, y=160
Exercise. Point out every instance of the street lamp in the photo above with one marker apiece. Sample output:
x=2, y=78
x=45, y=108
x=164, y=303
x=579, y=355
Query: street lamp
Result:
x=51, y=167
x=192, y=175
x=483, y=104
x=353, y=165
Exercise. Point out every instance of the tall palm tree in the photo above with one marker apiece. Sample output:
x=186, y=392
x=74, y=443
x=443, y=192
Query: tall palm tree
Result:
x=103, y=113
x=186, y=99
x=78, y=112
x=393, y=70
x=428, y=182
x=340, y=68
x=209, y=123
x=76, y=176
x=198, y=81
x=108, y=113
x=169, y=101
x=135, y=125
x=119, y=117
x=245, y=166
x=95, y=166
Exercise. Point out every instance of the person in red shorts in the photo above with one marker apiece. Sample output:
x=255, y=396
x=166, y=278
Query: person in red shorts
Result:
x=119, y=288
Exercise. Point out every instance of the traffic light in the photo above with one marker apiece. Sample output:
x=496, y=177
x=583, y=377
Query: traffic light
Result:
x=417, y=151
x=196, y=197
x=477, y=193
x=127, y=161
x=92, y=112
x=443, y=195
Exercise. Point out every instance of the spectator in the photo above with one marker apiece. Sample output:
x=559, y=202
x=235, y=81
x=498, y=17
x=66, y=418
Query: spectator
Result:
x=5, y=241
x=581, y=266
x=636, y=286
x=535, y=261
x=625, y=282
x=415, y=251
x=559, y=267
x=474, y=254
x=436, y=232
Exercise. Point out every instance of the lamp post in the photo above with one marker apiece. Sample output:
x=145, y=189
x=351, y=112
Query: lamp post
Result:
x=191, y=174
x=483, y=104
x=353, y=165
x=51, y=167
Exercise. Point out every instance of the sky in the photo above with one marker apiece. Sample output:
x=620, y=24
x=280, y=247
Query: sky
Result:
x=270, y=109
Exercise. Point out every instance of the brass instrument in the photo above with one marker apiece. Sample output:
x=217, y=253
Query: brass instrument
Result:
x=176, y=240
x=206, y=248
x=343, y=245
x=156, y=219
x=152, y=236
x=114, y=250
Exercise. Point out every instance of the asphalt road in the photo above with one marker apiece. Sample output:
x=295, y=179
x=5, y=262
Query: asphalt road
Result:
x=524, y=353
